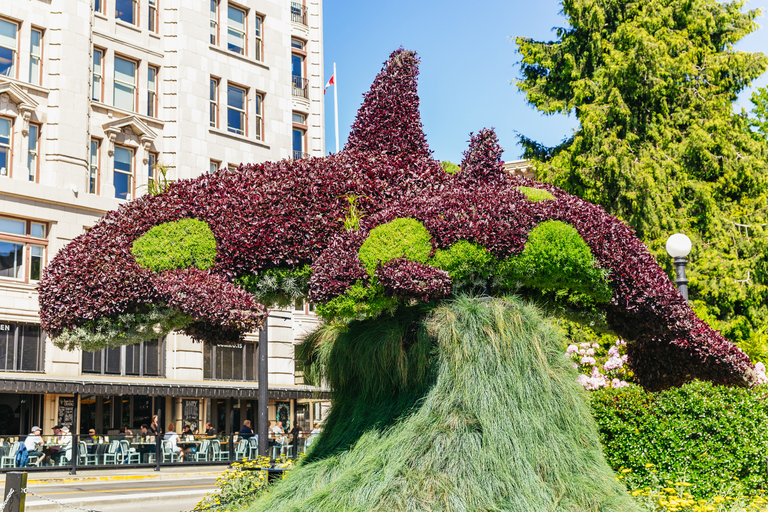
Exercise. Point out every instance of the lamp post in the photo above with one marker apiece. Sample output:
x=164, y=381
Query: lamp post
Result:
x=678, y=247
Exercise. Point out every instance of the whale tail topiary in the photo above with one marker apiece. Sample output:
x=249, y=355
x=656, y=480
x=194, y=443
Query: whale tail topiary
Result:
x=472, y=408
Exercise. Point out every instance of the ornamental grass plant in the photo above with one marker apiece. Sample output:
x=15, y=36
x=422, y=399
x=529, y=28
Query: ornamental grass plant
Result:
x=470, y=407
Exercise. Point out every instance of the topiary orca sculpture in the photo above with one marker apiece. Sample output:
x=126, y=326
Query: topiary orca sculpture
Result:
x=378, y=225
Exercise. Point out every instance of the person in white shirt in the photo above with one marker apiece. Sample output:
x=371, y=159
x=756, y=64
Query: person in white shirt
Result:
x=32, y=442
x=172, y=437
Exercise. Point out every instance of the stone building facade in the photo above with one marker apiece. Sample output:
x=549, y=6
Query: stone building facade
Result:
x=97, y=99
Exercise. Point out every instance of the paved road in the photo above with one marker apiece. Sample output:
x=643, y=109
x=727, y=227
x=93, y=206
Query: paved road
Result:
x=177, y=494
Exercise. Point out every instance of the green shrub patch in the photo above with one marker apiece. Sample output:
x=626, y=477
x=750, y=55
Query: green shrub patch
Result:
x=400, y=238
x=712, y=437
x=185, y=243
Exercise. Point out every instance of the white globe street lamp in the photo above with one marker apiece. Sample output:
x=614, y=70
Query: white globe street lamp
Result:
x=679, y=246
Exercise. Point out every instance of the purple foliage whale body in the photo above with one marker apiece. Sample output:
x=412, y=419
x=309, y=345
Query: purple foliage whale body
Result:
x=289, y=214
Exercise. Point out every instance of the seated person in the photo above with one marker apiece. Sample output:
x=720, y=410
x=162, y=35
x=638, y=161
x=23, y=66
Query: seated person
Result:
x=34, y=443
x=172, y=437
x=91, y=440
x=62, y=441
x=186, y=431
x=148, y=445
x=188, y=435
x=124, y=432
x=246, y=432
x=209, y=430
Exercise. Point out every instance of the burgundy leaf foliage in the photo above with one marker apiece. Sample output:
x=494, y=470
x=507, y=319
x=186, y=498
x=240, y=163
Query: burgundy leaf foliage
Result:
x=211, y=300
x=389, y=120
x=411, y=280
x=482, y=160
x=290, y=213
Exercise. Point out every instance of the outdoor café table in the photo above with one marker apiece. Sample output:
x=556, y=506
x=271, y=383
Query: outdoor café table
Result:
x=145, y=448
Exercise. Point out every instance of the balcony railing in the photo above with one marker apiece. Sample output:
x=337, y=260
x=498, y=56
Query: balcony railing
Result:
x=299, y=155
x=300, y=87
x=298, y=13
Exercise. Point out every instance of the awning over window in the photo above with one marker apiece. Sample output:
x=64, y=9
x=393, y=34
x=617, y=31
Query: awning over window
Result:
x=208, y=389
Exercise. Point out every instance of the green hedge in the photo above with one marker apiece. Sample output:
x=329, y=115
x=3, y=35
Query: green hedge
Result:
x=401, y=237
x=185, y=243
x=713, y=437
x=557, y=262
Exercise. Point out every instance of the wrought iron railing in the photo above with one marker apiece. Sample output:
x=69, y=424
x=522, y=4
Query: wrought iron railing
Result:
x=300, y=87
x=298, y=13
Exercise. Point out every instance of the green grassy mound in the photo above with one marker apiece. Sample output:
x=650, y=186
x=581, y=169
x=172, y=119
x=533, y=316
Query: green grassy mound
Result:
x=470, y=408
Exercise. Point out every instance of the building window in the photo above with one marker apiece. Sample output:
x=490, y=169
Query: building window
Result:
x=20, y=239
x=125, y=10
x=143, y=359
x=230, y=362
x=152, y=15
x=99, y=7
x=299, y=136
x=214, y=22
x=257, y=38
x=152, y=91
x=93, y=173
x=32, y=153
x=5, y=146
x=298, y=55
x=125, y=84
x=236, y=40
x=8, y=48
x=214, y=166
x=236, y=110
x=97, y=93
x=259, y=105
x=35, y=56
x=123, y=179
x=151, y=168
x=213, y=96
x=298, y=143
x=21, y=347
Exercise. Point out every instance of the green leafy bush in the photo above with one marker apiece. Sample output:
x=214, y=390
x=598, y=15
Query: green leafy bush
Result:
x=402, y=237
x=359, y=302
x=535, y=194
x=699, y=433
x=450, y=167
x=468, y=264
x=181, y=244
x=558, y=262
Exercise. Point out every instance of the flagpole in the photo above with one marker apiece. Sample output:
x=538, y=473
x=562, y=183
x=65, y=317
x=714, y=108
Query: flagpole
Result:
x=336, y=105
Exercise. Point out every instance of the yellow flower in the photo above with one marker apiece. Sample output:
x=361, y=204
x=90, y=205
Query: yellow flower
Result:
x=626, y=470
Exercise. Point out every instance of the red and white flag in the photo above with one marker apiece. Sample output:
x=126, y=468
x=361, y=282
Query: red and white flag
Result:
x=331, y=82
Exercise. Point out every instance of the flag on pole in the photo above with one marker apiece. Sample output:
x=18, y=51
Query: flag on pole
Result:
x=331, y=82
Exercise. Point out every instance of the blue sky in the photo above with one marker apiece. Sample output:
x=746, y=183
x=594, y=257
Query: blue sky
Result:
x=468, y=65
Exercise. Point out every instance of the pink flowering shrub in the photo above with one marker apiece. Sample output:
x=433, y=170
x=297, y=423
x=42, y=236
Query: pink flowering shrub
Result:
x=598, y=370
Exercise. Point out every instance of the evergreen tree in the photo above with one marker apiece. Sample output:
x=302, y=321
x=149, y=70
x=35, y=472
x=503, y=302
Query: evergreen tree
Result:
x=659, y=145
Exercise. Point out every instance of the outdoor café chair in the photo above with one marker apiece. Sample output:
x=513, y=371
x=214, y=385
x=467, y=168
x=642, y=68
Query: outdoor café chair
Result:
x=168, y=454
x=216, y=453
x=129, y=455
x=112, y=452
x=86, y=459
x=9, y=460
x=202, y=450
